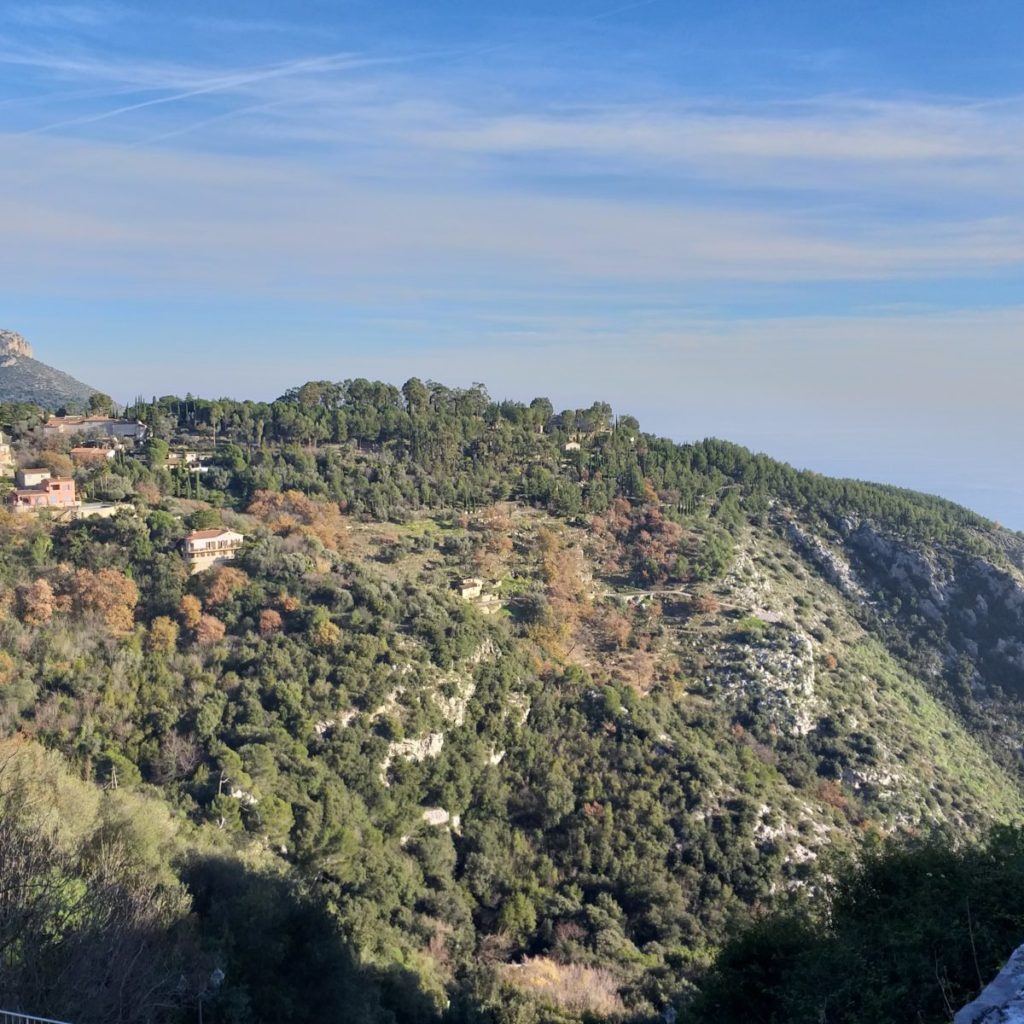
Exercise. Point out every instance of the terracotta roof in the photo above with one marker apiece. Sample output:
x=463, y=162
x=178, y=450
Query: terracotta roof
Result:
x=207, y=534
x=34, y=469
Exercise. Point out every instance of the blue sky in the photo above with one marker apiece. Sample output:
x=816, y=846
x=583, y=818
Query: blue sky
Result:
x=795, y=225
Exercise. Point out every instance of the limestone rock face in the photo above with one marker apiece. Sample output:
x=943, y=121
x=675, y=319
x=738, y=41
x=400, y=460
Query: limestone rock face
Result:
x=13, y=346
x=1002, y=1001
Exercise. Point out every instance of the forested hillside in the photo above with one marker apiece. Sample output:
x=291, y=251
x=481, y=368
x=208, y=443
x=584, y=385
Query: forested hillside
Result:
x=499, y=713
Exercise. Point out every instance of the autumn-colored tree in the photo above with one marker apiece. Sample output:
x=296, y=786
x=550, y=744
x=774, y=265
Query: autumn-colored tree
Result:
x=190, y=611
x=148, y=492
x=646, y=544
x=36, y=603
x=567, y=600
x=616, y=628
x=495, y=544
x=163, y=635
x=209, y=630
x=221, y=584
x=105, y=594
x=706, y=604
x=270, y=622
x=57, y=463
x=325, y=635
x=294, y=512
x=639, y=670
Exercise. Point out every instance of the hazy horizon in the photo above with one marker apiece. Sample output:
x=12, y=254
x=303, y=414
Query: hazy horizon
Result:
x=798, y=229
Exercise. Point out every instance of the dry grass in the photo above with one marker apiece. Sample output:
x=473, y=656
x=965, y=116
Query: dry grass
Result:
x=567, y=986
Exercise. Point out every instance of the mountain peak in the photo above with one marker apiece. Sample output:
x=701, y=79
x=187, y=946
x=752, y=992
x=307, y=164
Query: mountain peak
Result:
x=13, y=345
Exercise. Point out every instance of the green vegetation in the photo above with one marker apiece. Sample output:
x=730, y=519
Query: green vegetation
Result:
x=911, y=933
x=694, y=676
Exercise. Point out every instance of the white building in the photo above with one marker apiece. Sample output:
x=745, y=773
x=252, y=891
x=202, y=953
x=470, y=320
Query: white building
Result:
x=31, y=477
x=205, y=548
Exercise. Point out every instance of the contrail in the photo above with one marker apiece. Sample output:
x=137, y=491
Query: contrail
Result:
x=330, y=62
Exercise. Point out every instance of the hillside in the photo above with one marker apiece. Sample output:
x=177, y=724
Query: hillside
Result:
x=25, y=379
x=694, y=681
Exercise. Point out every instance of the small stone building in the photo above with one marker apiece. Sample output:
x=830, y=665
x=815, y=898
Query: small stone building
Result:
x=469, y=588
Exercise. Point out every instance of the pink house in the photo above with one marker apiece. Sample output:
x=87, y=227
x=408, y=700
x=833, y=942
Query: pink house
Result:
x=47, y=493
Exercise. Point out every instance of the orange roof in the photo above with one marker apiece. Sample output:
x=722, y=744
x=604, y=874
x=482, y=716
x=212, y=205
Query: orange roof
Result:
x=207, y=534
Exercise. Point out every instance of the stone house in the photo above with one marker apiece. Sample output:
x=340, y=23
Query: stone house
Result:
x=469, y=588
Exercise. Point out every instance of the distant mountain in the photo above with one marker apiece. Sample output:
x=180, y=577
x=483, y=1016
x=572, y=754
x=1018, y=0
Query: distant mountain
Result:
x=25, y=379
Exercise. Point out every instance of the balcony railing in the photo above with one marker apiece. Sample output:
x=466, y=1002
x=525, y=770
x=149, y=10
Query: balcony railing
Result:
x=10, y=1017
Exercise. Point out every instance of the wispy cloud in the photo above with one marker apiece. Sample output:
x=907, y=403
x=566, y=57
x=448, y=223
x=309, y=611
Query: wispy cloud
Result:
x=57, y=16
x=397, y=162
x=261, y=26
x=179, y=220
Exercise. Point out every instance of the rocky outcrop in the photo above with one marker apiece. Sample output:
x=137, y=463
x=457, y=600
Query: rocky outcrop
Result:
x=973, y=604
x=832, y=565
x=910, y=571
x=436, y=817
x=13, y=347
x=1002, y=1001
x=775, y=675
x=411, y=750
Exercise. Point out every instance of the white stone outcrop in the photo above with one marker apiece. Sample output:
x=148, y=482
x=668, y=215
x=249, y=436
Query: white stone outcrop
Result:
x=1002, y=1000
x=12, y=347
x=412, y=750
x=832, y=565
